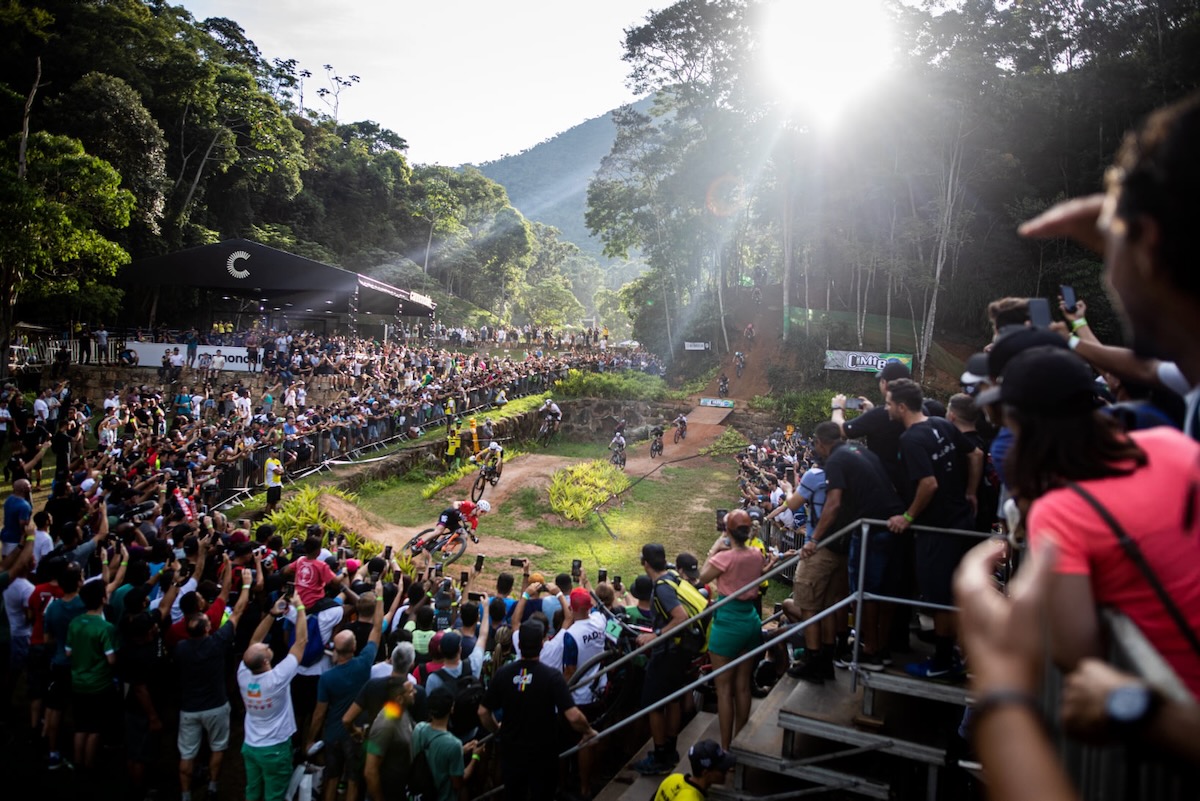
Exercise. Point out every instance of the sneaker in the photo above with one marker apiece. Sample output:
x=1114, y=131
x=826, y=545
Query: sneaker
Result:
x=651, y=766
x=886, y=658
x=933, y=669
x=54, y=762
x=870, y=662
x=844, y=657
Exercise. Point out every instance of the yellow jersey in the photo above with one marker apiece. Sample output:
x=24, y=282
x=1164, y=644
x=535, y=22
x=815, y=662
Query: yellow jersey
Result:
x=676, y=787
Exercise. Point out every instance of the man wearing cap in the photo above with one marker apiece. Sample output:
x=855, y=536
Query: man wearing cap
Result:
x=273, y=478
x=882, y=433
x=667, y=667
x=943, y=469
x=529, y=695
x=710, y=764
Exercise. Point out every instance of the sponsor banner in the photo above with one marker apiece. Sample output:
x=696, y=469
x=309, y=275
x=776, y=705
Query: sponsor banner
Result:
x=720, y=403
x=150, y=354
x=696, y=345
x=863, y=362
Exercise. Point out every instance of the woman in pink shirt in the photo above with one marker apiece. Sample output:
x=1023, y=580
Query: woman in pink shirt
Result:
x=736, y=627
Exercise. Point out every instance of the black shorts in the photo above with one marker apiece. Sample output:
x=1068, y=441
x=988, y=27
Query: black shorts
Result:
x=93, y=712
x=38, y=666
x=274, y=494
x=666, y=672
x=937, y=557
x=58, y=691
x=343, y=759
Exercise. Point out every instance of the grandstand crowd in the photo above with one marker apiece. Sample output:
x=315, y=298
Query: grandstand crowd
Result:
x=142, y=626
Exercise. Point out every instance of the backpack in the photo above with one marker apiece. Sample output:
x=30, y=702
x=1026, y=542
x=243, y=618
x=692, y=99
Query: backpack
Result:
x=468, y=693
x=694, y=638
x=422, y=786
x=314, y=649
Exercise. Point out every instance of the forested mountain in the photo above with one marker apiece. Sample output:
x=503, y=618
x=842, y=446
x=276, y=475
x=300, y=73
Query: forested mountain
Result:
x=548, y=182
x=133, y=129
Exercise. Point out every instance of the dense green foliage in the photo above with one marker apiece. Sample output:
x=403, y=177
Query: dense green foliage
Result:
x=729, y=443
x=303, y=509
x=576, y=490
x=992, y=111
x=624, y=385
x=213, y=141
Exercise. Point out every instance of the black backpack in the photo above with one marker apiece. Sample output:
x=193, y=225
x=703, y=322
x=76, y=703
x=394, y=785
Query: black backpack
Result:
x=468, y=693
x=422, y=786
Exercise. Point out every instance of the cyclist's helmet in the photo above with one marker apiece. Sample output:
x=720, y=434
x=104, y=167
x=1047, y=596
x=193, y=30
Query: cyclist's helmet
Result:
x=495, y=446
x=483, y=507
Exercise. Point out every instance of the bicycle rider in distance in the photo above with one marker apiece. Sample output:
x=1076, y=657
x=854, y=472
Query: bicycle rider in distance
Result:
x=739, y=359
x=551, y=412
x=723, y=384
x=749, y=336
x=490, y=458
x=618, y=442
x=460, y=515
x=681, y=421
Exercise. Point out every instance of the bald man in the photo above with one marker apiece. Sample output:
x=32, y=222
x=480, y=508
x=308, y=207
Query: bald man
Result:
x=270, y=721
x=18, y=510
x=336, y=691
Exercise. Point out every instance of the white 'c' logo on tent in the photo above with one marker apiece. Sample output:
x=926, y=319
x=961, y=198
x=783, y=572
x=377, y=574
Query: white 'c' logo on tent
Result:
x=231, y=264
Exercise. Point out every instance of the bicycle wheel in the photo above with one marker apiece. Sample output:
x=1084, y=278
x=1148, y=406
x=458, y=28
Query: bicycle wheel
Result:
x=739, y=370
x=454, y=547
x=417, y=543
x=677, y=435
x=621, y=463
x=544, y=435
x=477, y=487
x=655, y=449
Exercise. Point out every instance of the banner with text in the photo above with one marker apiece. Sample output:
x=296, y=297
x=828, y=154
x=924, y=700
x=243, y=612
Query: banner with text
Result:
x=696, y=346
x=863, y=362
x=150, y=353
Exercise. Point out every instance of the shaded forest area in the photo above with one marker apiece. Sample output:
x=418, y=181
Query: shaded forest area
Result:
x=992, y=111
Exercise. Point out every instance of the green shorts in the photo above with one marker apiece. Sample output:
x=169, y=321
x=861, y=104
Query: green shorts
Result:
x=268, y=771
x=735, y=629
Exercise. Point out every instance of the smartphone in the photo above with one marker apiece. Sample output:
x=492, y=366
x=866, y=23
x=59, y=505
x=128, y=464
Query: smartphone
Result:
x=1039, y=312
x=438, y=568
x=853, y=403
x=1068, y=296
x=464, y=577
x=721, y=517
x=244, y=522
x=791, y=474
x=387, y=553
x=517, y=562
x=616, y=582
x=476, y=596
x=288, y=589
x=576, y=567
x=479, y=562
x=602, y=575
x=341, y=554
x=778, y=608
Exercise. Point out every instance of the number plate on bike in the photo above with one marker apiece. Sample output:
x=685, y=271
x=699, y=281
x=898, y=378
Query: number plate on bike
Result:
x=612, y=630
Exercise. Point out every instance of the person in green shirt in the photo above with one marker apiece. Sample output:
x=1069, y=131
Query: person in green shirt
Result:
x=92, y=649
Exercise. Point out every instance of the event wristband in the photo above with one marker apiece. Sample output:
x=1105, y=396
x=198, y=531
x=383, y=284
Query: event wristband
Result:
x=994, y=699
x=907, y=517
x=1073, y=342
x=525, y=595
x=474, y=757
x=124, y=564
x=1077, y=324
x=299, y=607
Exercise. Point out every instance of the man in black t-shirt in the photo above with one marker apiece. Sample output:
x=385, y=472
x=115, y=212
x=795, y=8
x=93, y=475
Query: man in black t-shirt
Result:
x=530, y=697
x=881, y=432
x=943, y=469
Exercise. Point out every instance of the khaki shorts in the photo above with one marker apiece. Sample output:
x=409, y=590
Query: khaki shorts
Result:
x=821, y=581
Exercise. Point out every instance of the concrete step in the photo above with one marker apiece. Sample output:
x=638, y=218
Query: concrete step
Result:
x=629, y=785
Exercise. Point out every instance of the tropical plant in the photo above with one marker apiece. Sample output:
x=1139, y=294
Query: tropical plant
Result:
x=303, y=509
x=576, y=490
x=730, y=442
x=627, y=385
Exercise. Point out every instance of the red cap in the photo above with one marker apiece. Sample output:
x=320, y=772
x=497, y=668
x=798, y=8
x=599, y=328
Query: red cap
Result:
x=239, y=536
x=581, y=600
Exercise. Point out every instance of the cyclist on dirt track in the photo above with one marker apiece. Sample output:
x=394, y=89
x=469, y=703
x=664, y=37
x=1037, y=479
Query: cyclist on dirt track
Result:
x=681, y=421
x=491, y=457
x=460, y=515
x=749, y=336
x=723, y=384
x=550, y=411
x=618, y=442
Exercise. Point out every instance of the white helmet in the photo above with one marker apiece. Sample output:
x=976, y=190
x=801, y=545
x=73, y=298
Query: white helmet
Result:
x=483, y=507
x=494, y=446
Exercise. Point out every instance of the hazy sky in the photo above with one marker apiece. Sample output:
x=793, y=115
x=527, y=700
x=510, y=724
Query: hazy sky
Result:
x=460, y=80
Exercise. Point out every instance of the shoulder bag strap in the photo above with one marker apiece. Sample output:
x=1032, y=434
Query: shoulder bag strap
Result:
x=1135, y=555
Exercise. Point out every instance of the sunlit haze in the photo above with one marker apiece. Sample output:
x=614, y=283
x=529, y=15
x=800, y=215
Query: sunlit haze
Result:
x=820, y=54
x=460, y=80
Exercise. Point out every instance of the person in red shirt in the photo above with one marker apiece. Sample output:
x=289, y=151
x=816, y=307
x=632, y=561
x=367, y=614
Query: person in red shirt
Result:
x=208, y=600
x=310, y=571
x=39, y=654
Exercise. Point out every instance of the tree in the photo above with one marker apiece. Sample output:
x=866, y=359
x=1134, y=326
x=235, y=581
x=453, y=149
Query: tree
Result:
x=50, y=221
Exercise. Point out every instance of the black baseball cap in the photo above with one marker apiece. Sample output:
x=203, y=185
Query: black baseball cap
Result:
x=1049, y=381
x=688, y=565
x=976, y=370
x=642, y=588
x=893, y=369
x=707, y=755
x=1018, y=339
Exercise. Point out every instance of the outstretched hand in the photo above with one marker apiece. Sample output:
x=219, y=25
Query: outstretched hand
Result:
x=1074, y=219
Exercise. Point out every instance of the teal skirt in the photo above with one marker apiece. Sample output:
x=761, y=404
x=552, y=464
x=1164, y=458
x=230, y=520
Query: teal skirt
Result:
x=736, y=628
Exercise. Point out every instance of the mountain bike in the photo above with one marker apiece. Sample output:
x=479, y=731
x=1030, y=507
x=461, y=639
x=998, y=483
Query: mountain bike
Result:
x=547, y=431
x=618, y=457
x=444, y=549
x=488, y=474
x=723, y=389
x=680, y=432
x=741, y=365
x=656, y=446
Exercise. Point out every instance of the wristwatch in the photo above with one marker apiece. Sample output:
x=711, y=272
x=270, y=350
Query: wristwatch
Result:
x=1130, y=706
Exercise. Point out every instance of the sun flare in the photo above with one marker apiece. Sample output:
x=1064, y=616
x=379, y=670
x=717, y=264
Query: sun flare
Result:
x=820, y=54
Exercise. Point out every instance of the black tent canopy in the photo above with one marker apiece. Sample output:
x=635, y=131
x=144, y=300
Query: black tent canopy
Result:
x=279, y=280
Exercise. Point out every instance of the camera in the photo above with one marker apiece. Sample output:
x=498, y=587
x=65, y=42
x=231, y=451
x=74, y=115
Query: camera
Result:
x=517, y=562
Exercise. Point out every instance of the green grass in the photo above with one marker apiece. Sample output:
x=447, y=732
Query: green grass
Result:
x=675, y=508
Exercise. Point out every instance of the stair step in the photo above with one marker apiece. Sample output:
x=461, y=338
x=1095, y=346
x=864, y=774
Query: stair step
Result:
x=816, y=774
x=629, y=785
x=897, y=681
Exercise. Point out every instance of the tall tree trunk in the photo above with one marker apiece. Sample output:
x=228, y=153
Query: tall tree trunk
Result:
x=428, y=245
x=719, y=273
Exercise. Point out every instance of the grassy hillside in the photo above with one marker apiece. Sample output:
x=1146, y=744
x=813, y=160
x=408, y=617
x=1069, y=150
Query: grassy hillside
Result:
x=548, y=183
x=843, y=336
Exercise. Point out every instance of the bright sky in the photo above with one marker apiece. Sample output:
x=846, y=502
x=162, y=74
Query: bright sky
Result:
x=460, y=80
